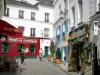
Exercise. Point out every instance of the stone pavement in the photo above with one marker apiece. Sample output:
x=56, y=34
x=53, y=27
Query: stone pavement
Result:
x=36, y=67
x=64, y=68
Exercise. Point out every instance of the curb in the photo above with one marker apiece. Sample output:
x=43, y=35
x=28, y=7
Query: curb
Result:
x=60, y=68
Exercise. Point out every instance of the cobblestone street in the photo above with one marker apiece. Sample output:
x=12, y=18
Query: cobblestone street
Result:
x=35, y=67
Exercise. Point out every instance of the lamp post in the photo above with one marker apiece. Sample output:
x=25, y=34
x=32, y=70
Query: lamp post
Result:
x=42, y=35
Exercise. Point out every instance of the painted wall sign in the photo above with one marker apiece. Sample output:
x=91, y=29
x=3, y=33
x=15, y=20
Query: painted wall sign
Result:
x=20, y=40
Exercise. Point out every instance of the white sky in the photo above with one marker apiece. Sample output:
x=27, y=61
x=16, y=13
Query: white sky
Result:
x=31, y=1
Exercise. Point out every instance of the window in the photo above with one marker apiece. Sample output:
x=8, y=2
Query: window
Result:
x=73, y=16
x=21, y=14
x=98, y=5
x=7, y=12
x=32, y=32
x=65, y=3
x=46, y=17
x=5, y=47
x=0, y=7
x=46, y=32
x=33, y=15
x=80, y=10
x=21, y=28
x=20, y=47
x=33, y=48
x=64, y=26
x=59, y=8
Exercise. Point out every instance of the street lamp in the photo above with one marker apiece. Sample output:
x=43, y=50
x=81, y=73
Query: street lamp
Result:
x=61, y=14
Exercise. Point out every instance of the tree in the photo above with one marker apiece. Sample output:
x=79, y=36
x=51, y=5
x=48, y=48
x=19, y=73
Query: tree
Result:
x=52, y=47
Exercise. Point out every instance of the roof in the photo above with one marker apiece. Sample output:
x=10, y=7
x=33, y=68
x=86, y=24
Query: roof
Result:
x=8, y=29
x=25, y=4
x=46, y=2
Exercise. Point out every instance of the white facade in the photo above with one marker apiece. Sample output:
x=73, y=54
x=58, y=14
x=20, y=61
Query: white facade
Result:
x=57, y=4
x=94, y=7
x=80, y=10
x=61, y=22
x=39, y=23
x=95, y=17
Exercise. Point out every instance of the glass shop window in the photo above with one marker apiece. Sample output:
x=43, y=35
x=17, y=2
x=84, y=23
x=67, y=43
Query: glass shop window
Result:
x=5, y=47
x=20, y=47
x=33, y=48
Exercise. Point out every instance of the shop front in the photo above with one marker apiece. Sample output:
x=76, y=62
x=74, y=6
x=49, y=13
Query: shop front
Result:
x=14, y=46
x=78, y=37
x=7, y=62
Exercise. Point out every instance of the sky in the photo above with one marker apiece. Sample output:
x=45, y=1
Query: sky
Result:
x=33, y=2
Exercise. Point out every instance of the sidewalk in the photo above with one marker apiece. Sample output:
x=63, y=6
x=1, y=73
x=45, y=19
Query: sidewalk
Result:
x=64, y=68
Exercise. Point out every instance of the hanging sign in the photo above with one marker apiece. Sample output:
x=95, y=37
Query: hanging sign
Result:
x=95, y=27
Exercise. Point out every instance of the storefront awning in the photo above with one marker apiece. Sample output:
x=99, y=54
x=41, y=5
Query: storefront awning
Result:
x=87, y=45
x=8, y=29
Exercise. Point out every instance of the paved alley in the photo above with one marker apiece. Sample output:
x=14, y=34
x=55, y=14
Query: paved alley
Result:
x=35, y=67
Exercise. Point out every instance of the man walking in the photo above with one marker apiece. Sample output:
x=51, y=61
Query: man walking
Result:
x=22, y=53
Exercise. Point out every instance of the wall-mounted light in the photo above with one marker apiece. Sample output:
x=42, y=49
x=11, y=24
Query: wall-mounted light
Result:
x=61, y=14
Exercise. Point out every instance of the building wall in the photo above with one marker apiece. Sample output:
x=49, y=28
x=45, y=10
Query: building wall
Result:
x=95, y=16
x=56, y=9
x=39, y=23
x=94, y=7
x=30, y=24
x=85, y=14
x=1, y=7
x=86, y=11
x=73, y=3
x=41, y=13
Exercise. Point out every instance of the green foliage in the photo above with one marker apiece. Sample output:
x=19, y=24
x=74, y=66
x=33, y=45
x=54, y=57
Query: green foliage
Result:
x=70, y=68
x=73, y=61
x=82, y=55
x=50, y=55
x=5, y=46
x=52, y=47
x=58, y=54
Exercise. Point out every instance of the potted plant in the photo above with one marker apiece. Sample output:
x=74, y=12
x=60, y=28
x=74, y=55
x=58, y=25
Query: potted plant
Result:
x=73, y=63
x=58, y=56
x=52, y=49
x=49, y=57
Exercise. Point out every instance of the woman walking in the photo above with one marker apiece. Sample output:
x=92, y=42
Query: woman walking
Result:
x=40, y=54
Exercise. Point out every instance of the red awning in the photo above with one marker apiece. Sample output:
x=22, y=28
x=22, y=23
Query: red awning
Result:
x=8, y=29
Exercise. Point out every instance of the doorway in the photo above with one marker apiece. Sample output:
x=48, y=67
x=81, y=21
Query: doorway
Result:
x=46, y=51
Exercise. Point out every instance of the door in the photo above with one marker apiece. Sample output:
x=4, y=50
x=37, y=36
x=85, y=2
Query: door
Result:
x=46, y=51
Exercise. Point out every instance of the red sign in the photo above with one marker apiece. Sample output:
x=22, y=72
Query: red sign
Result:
x=24, y=40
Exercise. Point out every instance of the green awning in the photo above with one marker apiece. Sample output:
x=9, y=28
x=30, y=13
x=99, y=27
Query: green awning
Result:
x=87, y=45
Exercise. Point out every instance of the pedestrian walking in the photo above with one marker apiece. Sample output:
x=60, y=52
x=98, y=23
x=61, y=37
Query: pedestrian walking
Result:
x=64, y=60
x=40, y=54
x=22, y=56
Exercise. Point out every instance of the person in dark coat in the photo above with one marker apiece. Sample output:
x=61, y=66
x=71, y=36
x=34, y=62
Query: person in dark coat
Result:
x=22, y=53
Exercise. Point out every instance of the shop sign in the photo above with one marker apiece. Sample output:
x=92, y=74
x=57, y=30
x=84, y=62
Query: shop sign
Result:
x=11, y=29
x=2, y=39
x=81, y=32
x=21, y=40
x=74, y=35
x=63, y=43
